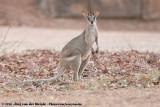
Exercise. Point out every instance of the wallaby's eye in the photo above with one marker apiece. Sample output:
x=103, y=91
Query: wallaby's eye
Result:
x=88, y=18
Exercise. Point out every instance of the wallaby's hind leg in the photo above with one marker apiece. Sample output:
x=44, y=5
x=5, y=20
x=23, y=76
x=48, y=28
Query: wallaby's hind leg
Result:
x=83, y=65
x=71, y=59
x=75, y=67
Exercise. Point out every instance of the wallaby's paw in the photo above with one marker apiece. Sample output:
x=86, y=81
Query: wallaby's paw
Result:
x=97, y=50
x=93, y=52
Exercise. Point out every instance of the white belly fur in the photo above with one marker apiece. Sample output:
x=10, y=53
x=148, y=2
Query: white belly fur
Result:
x=70, y=58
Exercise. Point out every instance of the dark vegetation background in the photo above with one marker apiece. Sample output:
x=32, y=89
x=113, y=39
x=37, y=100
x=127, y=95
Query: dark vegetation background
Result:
x=141, y=14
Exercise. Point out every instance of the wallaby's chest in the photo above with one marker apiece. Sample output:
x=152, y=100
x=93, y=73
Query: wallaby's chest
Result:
x=92, y=31
x=90, y=38
x=91, y=34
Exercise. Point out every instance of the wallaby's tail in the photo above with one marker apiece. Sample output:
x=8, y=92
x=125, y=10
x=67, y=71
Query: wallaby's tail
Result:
x=57, y=76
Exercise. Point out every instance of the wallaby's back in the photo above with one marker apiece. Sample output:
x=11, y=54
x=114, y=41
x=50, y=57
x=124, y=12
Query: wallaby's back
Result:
x=76, y=44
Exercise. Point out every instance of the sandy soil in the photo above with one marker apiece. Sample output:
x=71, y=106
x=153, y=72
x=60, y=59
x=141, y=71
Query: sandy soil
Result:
x=41, y=38
x=132, y=97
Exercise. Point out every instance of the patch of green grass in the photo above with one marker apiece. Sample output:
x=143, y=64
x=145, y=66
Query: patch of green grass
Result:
x=91, y=88
x=68, y=87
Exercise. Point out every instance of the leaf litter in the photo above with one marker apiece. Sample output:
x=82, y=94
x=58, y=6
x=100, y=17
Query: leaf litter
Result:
x=106, y=70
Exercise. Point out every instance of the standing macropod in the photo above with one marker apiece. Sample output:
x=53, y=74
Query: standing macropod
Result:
x=75, y=55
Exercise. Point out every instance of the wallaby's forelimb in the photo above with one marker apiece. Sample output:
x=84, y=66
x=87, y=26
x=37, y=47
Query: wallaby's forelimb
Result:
x=97, y=50
x=42, y=80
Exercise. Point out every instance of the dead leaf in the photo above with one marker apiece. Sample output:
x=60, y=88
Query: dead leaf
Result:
x=7, y=95
x=132, y=80
x=79, y=84
x=144, y=78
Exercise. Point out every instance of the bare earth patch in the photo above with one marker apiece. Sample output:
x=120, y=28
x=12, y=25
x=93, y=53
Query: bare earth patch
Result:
x=130, y=97
x=23, y=38
x=126, y=78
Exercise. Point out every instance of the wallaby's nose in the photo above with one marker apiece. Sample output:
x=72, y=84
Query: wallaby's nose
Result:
x=91, y=22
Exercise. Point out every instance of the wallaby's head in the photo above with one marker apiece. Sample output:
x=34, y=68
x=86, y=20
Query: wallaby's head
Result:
x=91, y=17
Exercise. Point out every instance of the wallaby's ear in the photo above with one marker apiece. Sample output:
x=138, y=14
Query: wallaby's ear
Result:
x=96, y=13
x=85, y=13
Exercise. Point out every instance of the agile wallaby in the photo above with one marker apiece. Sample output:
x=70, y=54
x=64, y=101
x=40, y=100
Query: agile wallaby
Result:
x=76, y=53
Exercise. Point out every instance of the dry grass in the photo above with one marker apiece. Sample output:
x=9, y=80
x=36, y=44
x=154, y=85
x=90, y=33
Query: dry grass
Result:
x=3, y=37
x=126, y=78
x=8, y=47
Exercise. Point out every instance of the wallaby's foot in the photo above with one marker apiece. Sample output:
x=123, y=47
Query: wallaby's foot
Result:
x=75, y=77
x=80, y=77
x=78, y=80
x=75, y=80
